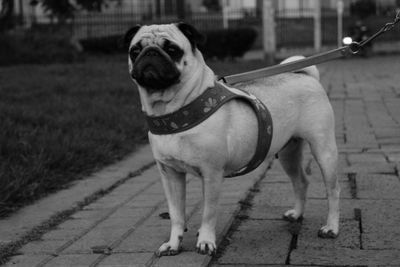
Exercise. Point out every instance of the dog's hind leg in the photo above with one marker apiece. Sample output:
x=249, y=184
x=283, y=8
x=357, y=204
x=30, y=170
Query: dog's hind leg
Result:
x=291, y=160
x=174, y=184
x=325, y=152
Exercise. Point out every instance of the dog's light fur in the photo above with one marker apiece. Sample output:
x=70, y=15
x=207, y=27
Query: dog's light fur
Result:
x=227, y=140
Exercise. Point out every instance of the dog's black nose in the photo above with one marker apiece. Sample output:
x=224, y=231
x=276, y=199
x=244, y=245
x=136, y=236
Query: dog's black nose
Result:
x=152, y=53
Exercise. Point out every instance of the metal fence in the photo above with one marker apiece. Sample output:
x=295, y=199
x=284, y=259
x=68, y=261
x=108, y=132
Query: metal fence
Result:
x=294, y=28
x=96, y=24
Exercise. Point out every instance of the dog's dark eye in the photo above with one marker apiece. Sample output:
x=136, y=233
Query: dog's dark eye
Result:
x=173, y=51
x=134, y=52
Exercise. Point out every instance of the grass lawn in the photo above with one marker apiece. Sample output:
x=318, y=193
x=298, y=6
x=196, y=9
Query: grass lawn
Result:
x=61, y=122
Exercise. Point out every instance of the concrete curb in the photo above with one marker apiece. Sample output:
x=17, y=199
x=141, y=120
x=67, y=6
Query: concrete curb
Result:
x=24, y=221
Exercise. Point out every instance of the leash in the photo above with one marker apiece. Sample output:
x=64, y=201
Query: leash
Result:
x=352, y=48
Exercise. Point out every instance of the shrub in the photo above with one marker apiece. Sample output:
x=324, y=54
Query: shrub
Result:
x=228, y=42
x=34, y=46
x=106, y=45
x=220, y=43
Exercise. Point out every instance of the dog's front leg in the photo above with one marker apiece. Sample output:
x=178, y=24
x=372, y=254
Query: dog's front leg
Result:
x=206, y=241
x=174, y=184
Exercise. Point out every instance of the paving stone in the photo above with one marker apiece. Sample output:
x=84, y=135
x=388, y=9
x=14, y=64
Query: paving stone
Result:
x=145, y=200
x=355, y=147
x=318, y=209
x=361, y=138
x=345, y=257
x=277, y=177
x=61, y=234
x=42, y=247
x=119, y=222
x=78, y=224
x=389, y=140
x=155, y=189
x=380, y=224
x=366, y=157
x=368, y=167
x=349, y=236
x=144, y=239
x=186, y=259
x=275, y=194
x=107, y=202
x=96, y=237
x=73, y=260
x=258, y=242
x=134, y=214
x=95, y=215
x=390, y=148
x=387, y=237
x=126, y=260
x=347, y=148
x=25, y=260
x=378, y=186
x=267, y=212
x=317, y=190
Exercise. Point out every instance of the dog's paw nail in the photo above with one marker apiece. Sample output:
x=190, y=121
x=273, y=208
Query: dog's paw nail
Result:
x=167, y=250
x=292, y=218
x=322, y=233
x=205, y=248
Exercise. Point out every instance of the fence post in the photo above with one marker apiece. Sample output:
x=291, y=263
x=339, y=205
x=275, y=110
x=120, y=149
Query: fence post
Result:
x=225, y=14
x=180, y=9
x=268, y=31
x=317, y=25
x=340, y=7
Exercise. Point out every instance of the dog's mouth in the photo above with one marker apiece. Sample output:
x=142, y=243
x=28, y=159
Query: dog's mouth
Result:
x=153, y=69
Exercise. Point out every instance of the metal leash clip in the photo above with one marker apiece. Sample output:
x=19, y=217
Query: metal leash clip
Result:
x=355, y=47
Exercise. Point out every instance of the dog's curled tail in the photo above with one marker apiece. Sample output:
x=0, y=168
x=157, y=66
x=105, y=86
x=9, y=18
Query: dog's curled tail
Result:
x=311, y=70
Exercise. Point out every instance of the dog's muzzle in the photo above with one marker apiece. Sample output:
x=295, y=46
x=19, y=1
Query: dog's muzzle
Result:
x=154, y=69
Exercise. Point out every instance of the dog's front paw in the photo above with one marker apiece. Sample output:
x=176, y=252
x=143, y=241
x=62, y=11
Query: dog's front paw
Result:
x=292, y=216
x=169, y=249
x=206, y=247
x=328, y=232
x=206, y=244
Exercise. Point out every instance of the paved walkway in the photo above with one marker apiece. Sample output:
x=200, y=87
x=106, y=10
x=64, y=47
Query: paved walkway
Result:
x=122, y=226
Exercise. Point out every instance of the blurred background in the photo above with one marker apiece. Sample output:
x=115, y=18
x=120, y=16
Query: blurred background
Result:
x=67, y=104
x=96, y=25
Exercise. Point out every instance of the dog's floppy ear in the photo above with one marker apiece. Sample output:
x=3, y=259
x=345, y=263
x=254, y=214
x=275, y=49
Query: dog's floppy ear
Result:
x=191, y=34
x=130, y=34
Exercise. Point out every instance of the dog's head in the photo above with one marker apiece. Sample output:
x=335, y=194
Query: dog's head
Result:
x=160, y=54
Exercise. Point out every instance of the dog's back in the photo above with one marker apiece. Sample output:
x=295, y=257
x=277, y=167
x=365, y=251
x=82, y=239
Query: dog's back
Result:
x=310, y=70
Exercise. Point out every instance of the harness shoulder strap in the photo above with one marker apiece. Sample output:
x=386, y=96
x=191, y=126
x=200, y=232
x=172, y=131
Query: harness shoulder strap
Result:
x=265, y=130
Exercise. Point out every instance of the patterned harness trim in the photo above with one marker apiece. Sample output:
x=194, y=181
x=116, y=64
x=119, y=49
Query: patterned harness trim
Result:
x=204, y=106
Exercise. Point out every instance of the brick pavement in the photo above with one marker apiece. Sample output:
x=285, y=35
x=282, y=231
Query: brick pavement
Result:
x=123, y=228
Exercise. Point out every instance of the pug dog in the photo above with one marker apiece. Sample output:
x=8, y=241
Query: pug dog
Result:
x=170, y=73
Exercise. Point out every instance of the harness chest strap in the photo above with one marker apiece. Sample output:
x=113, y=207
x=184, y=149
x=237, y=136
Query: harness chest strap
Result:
x=204, y=106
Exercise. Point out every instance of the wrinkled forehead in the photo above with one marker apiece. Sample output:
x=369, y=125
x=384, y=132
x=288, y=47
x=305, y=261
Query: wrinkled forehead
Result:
x=157, y=34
